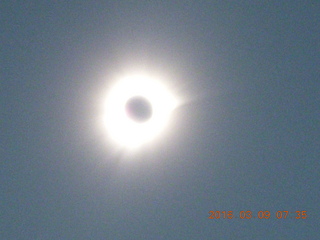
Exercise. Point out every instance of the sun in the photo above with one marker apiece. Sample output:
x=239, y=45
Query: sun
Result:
x=137, y=110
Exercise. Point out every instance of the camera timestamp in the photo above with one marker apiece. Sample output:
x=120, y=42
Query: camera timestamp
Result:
x=257, y=215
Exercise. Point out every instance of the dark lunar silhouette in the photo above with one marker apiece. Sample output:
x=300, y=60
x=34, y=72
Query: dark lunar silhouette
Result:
x=139, y=109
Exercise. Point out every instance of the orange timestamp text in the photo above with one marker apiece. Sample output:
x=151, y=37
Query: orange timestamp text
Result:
x=258, y=215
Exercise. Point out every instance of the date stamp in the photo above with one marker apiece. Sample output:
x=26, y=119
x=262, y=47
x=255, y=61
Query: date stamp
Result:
x=257, y=215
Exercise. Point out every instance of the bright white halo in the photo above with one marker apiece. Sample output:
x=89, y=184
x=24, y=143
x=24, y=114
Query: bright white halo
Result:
x=124, y=130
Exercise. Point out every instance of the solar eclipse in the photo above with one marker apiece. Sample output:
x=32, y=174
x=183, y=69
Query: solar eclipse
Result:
x=137, y=110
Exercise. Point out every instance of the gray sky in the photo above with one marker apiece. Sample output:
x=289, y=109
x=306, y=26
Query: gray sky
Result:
x=247, y=138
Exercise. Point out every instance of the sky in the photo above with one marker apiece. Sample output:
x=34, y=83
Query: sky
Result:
x=246, y=138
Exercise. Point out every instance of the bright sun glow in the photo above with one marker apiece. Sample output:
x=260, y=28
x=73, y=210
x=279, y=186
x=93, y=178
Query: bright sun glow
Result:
x=124, y=130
